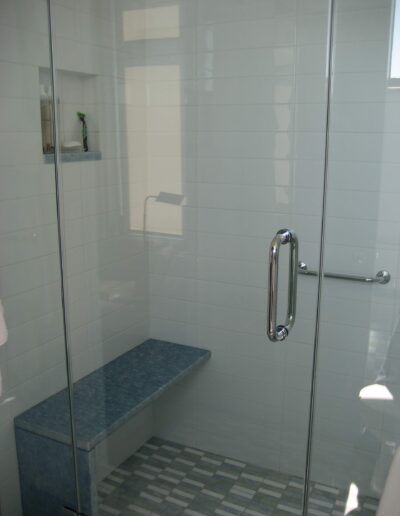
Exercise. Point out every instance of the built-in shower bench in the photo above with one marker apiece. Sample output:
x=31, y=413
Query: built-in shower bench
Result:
x=103, y=402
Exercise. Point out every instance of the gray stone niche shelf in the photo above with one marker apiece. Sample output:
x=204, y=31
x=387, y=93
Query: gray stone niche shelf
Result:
x=70, y=157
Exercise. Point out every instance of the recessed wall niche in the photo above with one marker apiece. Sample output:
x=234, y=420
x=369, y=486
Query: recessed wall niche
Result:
x=75, y=94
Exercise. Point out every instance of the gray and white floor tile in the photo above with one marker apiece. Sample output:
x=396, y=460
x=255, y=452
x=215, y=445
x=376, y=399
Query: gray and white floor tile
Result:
x=165, y=478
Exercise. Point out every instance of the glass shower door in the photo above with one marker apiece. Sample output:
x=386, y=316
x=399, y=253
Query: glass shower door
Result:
x=356, y=423
x=191, y=132
x=32, y=334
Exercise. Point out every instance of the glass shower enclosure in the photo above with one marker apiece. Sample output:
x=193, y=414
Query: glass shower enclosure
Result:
x=175, y=175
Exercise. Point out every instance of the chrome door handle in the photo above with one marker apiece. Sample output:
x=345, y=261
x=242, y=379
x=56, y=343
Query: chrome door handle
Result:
x=280, y=332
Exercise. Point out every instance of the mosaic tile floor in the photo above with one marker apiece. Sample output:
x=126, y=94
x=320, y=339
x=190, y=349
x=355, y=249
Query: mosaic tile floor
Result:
x=165, y=478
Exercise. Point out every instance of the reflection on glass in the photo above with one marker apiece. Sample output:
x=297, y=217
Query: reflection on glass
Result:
x=352, y=499
x=163, y=197
x=153, y=94
x=375, y=391
x=394, y=72
x=151, y=23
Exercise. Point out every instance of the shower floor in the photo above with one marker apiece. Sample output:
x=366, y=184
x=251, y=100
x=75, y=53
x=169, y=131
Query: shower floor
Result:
x=166, y=478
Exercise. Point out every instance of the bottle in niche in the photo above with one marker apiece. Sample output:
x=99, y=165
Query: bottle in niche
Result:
x=46, y=114
x=81, y=117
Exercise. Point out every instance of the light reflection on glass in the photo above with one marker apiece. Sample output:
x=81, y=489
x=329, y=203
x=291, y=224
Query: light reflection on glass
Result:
x=151, y=23
x=155, y=165
x=394, y=72
x=375, y=391
x=352, y=499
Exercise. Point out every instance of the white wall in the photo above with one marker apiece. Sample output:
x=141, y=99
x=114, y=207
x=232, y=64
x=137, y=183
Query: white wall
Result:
x=223, y=102
x=359, y=338
x=32, y=362
x=258, y=145
x=253, y=106
x=106, y=264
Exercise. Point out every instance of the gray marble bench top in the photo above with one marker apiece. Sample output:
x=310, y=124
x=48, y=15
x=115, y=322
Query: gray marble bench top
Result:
x=111, y=395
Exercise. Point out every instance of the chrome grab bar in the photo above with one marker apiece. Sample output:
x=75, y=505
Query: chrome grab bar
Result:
x=381, y=277
x=280, y=332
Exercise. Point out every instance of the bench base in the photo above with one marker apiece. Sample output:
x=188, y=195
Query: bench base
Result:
x=47, y=474
x=47, y=478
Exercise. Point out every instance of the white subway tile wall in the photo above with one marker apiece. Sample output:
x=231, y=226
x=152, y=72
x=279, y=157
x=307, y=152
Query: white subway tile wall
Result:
x=359, y=337
x=222, y=102
x=106, y=265
x=255, y=110
x=260, y=123
x=32, y=361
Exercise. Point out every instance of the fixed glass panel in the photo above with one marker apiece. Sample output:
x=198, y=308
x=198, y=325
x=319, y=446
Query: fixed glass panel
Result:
x=191, y=132
x=357, y=415
x=32, y=355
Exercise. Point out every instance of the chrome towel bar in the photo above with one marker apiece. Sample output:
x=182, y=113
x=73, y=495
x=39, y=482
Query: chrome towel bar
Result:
x=381, y=277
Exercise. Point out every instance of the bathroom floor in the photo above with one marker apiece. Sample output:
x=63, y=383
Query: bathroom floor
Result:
x=166, y=478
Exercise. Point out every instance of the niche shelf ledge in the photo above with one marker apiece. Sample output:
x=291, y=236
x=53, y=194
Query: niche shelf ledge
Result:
x=74, y=156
